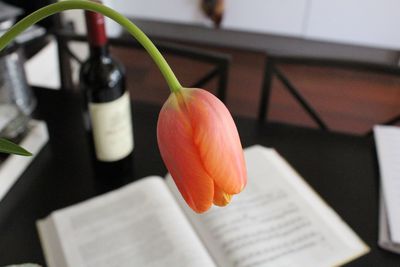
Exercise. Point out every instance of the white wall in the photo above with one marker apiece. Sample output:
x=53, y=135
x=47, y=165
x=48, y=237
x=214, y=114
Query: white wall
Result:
x=178, y=11
x=373, y=23
x=283, y=17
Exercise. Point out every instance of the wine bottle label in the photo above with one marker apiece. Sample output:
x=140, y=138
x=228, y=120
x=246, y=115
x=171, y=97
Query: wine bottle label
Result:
x=112, y=128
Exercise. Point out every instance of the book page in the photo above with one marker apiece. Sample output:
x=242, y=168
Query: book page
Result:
x=137, y=225
x=276, y=221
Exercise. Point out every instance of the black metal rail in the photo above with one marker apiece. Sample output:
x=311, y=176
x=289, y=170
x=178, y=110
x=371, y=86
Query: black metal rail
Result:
x=220, y=61
x=272, y=70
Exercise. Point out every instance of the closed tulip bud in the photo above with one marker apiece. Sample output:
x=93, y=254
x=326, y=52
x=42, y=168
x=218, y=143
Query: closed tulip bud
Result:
x=201, y=148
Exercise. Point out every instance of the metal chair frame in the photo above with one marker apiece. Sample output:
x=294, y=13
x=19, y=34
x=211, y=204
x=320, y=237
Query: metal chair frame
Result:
x=219, y=61
x=272, y=69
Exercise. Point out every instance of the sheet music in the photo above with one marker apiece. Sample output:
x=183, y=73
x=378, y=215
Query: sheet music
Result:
x=387, y=140
x=138, y=225
x=277, y=221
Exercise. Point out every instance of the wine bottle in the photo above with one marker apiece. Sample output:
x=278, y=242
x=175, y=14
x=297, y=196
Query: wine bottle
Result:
x=108, y=109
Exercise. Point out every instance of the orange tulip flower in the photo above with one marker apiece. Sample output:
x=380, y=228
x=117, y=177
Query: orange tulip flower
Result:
x=197, y=137
x=201, y=148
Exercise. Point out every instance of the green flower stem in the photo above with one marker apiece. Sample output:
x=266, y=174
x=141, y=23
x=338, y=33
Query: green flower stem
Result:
x=49, y=10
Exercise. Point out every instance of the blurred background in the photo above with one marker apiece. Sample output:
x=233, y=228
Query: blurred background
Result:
x=341, y=57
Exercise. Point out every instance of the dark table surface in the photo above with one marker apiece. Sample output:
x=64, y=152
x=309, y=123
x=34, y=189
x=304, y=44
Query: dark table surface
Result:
x=341, y=168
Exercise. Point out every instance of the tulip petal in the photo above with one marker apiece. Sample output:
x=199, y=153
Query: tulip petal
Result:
x=217, y=140
x=220, y=197
x=175, y=139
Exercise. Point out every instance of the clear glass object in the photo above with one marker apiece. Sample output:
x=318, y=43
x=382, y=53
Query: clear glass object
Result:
x=16, y=98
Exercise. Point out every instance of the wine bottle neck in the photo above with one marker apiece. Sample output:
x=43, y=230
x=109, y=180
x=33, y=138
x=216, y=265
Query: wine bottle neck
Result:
x=99, y=51
x=96, y=31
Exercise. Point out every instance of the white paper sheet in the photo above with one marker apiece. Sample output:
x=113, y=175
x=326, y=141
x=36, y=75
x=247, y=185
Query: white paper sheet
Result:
x=385, y=240
x=43, y=69
x=387, y=140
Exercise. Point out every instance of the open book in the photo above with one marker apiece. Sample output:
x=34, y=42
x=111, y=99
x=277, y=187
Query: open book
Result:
x=278, y=220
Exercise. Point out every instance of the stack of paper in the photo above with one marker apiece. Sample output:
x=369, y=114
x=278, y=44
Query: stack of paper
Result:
x=387, y=139
x=13, y=166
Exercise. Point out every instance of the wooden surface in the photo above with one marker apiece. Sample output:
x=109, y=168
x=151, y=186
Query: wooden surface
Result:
x=350, y=101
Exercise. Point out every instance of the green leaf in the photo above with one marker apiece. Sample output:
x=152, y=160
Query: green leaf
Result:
x=11, y=148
